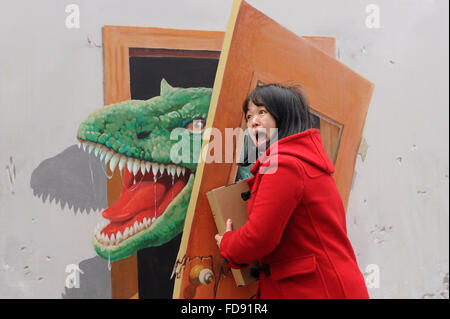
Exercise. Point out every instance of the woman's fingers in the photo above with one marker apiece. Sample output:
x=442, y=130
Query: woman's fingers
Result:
x=229, y=225
x=218, y=239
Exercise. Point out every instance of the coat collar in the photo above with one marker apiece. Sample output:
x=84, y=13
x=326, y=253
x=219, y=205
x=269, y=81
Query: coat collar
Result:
x=297, y=144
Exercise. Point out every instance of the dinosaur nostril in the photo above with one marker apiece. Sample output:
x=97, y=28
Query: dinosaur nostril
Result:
x=143, y=134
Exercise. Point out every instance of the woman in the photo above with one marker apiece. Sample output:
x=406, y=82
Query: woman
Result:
x=296, y=225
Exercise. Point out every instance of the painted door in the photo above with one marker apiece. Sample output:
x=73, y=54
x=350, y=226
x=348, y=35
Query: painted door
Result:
x=136, y=59
x=257, y=49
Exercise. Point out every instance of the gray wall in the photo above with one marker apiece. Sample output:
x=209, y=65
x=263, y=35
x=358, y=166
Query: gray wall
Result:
x=51, y=77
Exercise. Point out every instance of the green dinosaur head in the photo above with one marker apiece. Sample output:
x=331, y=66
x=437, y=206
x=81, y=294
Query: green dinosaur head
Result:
x=135, y=137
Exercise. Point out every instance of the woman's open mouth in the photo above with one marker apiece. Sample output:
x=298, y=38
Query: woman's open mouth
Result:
x=260, y=137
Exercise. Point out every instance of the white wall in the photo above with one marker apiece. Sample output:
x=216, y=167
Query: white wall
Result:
x=51, y=77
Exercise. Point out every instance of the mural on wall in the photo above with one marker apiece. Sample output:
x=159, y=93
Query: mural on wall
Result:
x=132, y=135
x=135, y=137
x=54, y=194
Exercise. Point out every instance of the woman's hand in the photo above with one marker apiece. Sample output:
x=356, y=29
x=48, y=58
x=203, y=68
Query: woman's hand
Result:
x=229, y=227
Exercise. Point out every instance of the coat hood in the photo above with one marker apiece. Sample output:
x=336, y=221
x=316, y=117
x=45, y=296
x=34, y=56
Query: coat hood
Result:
x=306, y=145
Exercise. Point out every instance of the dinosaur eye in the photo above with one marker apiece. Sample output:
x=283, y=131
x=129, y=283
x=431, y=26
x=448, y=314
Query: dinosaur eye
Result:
x=143, y=135
x=196, y=125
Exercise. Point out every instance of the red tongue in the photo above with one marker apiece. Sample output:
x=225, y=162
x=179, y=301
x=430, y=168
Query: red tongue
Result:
x=139, y=197
x=142, y=196
x=118, y=224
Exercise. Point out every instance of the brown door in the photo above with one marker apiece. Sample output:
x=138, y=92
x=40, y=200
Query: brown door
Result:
x=257, y=49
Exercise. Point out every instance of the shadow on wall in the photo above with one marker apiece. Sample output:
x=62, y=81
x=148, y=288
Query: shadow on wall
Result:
x=74, y=178
x=94, y=281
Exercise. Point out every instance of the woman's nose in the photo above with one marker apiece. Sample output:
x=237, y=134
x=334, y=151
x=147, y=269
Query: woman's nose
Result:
x=254, y=122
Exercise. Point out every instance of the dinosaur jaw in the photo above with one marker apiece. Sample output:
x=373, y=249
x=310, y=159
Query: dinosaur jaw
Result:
x=164, y=229
x=143, y=200
x=148, y=190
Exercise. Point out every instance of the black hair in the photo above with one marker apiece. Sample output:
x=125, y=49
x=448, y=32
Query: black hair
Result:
x=287, y=104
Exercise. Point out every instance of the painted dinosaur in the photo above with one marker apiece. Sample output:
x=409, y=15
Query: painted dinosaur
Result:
x=135, y=137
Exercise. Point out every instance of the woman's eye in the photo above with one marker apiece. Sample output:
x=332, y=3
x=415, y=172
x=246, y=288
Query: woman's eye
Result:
x=262, y=112
x=196, y=125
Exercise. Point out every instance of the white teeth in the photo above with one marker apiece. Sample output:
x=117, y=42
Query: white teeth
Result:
x=161, y=169
x=106, y=240
x=101, y=225
x=108, y=156
x=117, y=238
x=122, y=163
x=155, y=168
x=113, y=162
x=130, y=163
x=102, y=154
x=136, y=166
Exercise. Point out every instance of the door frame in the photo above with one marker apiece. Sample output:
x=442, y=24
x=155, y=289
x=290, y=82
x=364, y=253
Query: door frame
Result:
x=117, y=43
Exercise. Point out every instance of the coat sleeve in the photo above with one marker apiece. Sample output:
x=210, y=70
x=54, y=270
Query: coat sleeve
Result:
x=277, y=197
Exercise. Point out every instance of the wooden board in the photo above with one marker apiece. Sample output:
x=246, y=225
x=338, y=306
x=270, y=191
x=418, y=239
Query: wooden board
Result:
x=257, y=48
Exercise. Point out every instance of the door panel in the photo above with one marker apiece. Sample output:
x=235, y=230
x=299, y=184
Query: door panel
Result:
x=256, y=48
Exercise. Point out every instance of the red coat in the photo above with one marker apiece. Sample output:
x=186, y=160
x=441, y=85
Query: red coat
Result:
x=296, y=225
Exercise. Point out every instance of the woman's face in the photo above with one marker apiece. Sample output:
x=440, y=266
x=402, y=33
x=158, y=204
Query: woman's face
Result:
x=259, y=123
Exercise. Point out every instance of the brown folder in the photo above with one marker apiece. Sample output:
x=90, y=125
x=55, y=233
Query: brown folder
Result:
x=226, y=202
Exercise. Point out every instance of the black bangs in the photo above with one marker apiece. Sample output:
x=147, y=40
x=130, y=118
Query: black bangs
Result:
x=255, y=99
x=288, y=106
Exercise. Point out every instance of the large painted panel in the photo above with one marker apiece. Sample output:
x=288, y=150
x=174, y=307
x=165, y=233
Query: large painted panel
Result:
x=263, y=51
x=142, y=256
x=136, y=61
x=150, y=192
